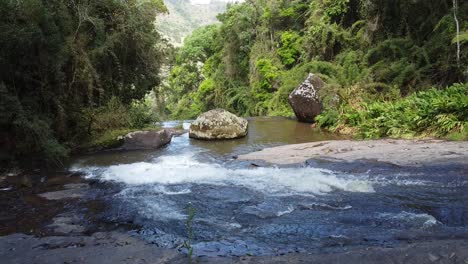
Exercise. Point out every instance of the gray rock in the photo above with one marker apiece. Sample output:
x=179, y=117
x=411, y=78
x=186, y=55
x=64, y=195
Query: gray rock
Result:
x=147, y=139
x=218, y=124
x=305, y=100
x=388, y=151
x=72, y=191
x=228, y=195
x=176, y=132
x=113, y=247
x=268, y=209
x=67, y=224
x=339, y=240
x=433, y=258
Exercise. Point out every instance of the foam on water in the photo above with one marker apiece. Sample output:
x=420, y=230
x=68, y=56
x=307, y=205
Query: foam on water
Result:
x=422, y=220
x=289, y=210
x=266, y=211
x=172, y=170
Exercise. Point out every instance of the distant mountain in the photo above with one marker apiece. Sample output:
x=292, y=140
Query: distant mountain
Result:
x=186, y=15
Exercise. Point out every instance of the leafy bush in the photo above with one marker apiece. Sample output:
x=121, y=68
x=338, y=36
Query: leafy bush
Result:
x=370, y=53
x=289, y=51
x=428, y=113
x=33, y=136
x=116, y=115
x=140, y=114
x=61, y=62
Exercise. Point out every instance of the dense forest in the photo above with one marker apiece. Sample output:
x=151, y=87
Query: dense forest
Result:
x=78, y=70
x=387, y=64
x=72, y=69
x=184, y=17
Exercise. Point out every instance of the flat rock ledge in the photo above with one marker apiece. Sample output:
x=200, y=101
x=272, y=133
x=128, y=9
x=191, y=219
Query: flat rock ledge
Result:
x=398, y=152
x=117, y=248
x=71, y=191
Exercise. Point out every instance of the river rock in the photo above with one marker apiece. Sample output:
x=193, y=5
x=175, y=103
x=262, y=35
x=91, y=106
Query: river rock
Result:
x=305, y=100
x=67, y=224
x=218, y=124
x=147, y=139
x=72, y=191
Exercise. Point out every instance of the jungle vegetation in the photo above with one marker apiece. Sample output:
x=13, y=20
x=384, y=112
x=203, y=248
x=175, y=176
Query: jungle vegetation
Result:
x=78, y=71
x=184, y=17
x=387, y=64
x=70, y=70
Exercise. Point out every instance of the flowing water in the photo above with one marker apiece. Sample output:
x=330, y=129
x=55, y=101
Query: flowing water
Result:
x=242, y=209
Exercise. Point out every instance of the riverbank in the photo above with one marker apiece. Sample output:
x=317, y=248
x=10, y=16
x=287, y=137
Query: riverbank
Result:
x=393, y=151
x=114, y=247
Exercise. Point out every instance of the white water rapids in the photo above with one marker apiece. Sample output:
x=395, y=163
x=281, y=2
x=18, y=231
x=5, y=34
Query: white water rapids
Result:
x=242, y=209
x=184, y=169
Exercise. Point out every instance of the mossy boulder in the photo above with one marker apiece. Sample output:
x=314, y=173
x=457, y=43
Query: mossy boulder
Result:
x=218, y=124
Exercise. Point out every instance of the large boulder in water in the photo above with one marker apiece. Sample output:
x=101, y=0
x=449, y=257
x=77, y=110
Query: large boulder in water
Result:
x=218, y=124
x=147, y=139
x=305, y=100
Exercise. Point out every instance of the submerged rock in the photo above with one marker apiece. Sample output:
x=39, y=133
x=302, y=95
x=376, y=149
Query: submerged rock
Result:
x=147, y=139
x=218, y=124
x=67, y=223
x=305, y=100
x=72, y=191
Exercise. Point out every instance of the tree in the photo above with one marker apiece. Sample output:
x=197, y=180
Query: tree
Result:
x=457, y=24
x=59, y=58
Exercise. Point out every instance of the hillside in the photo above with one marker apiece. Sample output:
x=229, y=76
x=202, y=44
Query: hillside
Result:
x=386, y=67
x=185, y=16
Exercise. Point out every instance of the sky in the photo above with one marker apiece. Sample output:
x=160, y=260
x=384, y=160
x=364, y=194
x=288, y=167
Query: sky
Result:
x=204, y=2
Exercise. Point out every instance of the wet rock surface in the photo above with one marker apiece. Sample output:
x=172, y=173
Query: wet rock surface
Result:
x=67, y=223
x=23, y=210
x=99, y=248
x=71, y=191
x=317, y=210
x=147, y=139
x=317, y=205
x=239, y=222
x=115, y=247
x=391, y=151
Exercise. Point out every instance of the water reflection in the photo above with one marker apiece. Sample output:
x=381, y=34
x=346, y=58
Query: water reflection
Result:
x=263, y=132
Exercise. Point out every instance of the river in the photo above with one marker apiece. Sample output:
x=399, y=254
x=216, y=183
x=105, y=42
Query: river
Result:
x=243, y=209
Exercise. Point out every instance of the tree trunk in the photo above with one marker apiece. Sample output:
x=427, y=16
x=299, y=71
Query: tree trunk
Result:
x=457, y=24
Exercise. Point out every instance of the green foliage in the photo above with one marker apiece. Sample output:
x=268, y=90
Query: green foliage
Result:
x=62, y=59
x=104, y=124
x=289, y=51
x=432, y=112
x=198, y=46
x=141, y=114
x=110, y=138
x=367, y=51
x=191, y=212
x=333, y=9
x=185, y=98
x=184, y=18
x=399, y=62
x=463, y=37
x=351, y=68
x=268, y=74
x=33, y=135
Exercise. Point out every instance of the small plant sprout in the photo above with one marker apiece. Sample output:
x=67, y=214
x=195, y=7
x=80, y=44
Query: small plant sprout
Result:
x=191, y=211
